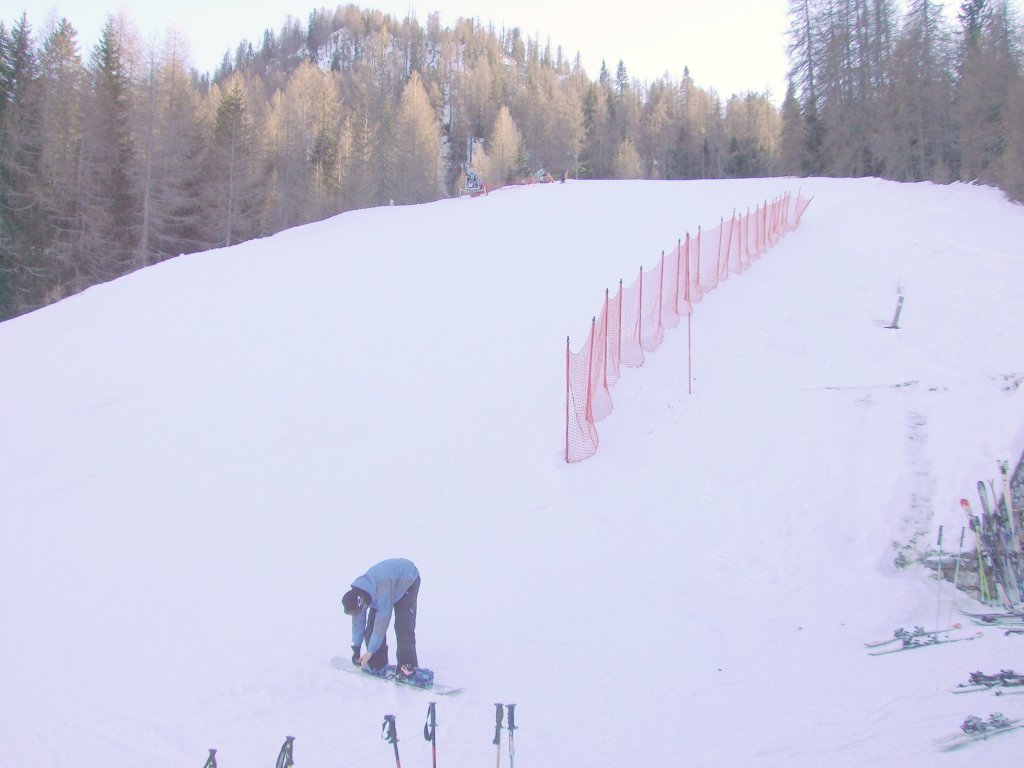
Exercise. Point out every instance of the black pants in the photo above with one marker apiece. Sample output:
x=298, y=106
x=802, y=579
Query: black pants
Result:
x=405, y=630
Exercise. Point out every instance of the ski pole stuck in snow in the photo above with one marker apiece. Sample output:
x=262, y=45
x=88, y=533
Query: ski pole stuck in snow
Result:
x=938, y=580
x=511, y=735
x=284, y=757
x=499, y=714
x=956, y=571
x=895, y=324
x=430, y=731
x=389, y=733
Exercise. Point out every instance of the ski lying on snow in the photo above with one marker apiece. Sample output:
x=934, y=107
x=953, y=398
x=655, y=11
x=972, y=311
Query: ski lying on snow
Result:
x=1006, y=621
x=997, y=689
x=902, y=634
x=926, y=642
x=976, y=729
x=979, y=681
x=995, y=616
x=345, y=665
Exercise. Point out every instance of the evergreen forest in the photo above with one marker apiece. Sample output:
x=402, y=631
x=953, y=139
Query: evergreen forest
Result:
x=124, y=155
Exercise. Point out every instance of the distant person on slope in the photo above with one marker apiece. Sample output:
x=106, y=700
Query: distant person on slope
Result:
x=391, y=585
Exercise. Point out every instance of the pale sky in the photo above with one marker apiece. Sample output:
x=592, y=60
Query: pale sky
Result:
x=729, y=45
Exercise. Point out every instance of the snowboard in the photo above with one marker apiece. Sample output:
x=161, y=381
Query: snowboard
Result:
x=388, y=676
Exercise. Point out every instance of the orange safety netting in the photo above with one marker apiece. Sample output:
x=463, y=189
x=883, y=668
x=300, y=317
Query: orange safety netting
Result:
x=633, y=321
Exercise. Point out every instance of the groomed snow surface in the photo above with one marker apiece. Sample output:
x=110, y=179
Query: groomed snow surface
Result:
x=197, y=459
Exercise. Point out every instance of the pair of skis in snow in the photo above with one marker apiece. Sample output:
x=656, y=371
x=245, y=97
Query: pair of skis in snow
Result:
x=975, y=728
x=915, y=638
x=1014, y=618
x=979, y=681
x=903, y=634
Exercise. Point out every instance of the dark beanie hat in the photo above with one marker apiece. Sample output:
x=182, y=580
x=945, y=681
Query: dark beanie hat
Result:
x=351, y=602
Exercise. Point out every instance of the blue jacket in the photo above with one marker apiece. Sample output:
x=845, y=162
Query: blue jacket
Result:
x=386, y=583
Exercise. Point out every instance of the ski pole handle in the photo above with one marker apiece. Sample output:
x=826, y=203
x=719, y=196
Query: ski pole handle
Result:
x=388, y=731
x=511, y=735
x=284, y=758
x=390, y=734
x=940, y=536
x=430, y=728
x=499, y=714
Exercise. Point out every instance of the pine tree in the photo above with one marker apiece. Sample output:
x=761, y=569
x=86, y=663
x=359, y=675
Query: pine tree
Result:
x=627, y=161
x=751, y=128
x=417, y=149
x=325, y=154
x=303, y=148
x=804, y=51
x=971, y=16
x=687, y=154
x=503, y=149
x=549, y=113
x=63, y=81
x=6, y=225
x=172, y=138
x=657, y=128
x=621, y=79
x=792, y=140
x=923, y=90
x=596, y=154
x=989, y=69
x=109, y=192
x=23, y=269
x=844, y=90
x=232, y=160
x=363, y=175
x=876, y=25
x=1011, y=171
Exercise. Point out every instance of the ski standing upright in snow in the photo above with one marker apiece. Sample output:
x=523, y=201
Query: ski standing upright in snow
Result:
x=975, y=525
x=999, y=542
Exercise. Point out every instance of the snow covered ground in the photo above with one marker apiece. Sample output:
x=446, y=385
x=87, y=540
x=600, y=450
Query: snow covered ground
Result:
x=197, y=459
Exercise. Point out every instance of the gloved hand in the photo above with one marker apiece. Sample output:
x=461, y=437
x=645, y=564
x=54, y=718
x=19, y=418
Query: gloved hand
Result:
x=355, y=655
